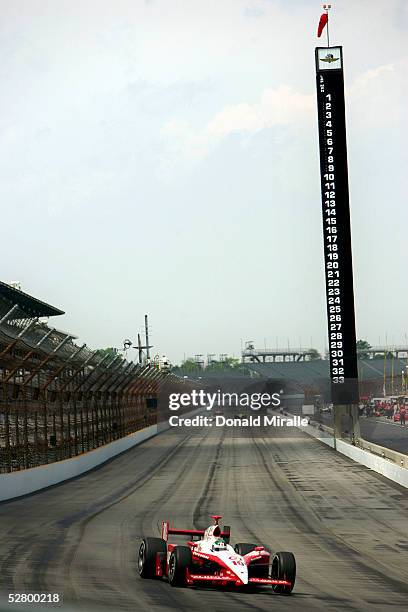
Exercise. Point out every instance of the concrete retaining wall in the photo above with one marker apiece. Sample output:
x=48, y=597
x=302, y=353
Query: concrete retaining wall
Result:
x=323, y=434
x=385, y=453
x=20, y=483
x=34, y=479
x=374, y=462
x=385, y=467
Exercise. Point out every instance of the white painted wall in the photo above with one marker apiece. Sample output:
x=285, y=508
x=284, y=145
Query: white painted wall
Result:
x=378, y=464
x=386, y=468
x=322, y=435
x=20, y=483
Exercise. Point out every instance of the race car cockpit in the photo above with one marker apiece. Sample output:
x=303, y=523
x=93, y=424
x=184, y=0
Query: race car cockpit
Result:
x=219, y=545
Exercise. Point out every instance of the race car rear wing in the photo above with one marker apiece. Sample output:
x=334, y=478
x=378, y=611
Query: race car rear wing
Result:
x=166, y=530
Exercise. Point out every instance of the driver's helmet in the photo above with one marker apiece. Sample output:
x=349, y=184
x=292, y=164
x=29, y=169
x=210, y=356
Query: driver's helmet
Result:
x=219, y=544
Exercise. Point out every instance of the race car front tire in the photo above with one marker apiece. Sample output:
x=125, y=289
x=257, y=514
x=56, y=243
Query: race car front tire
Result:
x=244, y=548
x=284, y=568
x=180, y=560
x=148, y=550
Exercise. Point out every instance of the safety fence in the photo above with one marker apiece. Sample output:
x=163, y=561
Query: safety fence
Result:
x=58, y=400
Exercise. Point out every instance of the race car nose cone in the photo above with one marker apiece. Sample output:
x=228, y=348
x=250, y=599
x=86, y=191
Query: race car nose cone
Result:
x=236, y=565
x=242, y=573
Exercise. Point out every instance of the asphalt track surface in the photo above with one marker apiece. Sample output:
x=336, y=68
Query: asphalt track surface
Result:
x=348, y=527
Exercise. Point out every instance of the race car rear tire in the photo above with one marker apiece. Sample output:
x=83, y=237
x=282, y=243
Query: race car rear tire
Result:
x=148, y=550
x=284, y=568
x=180, y=560
x=244, y=548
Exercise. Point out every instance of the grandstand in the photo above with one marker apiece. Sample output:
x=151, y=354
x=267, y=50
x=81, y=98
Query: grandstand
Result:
x=303, y=372
x=57, y=399
x=315, y=374
x=318, y=369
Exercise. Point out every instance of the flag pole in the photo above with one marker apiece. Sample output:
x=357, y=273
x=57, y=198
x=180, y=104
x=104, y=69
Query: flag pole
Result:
x=326, y=8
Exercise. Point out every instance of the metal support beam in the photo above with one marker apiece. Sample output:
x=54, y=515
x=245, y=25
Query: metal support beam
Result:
x=47, y=358
x=147, y=338
x=29, y=354
x=19, y=336
x=64, y=365
x=8, y=314
x=353, y=425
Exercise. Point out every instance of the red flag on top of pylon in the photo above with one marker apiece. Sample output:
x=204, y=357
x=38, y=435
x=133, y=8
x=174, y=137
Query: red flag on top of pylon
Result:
x=324, y=18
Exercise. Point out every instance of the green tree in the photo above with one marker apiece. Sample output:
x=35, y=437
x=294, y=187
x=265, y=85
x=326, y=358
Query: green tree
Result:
x=229, y=363
x=362, y=349
x=314, y=354
x=188, y=366
x=110, y=351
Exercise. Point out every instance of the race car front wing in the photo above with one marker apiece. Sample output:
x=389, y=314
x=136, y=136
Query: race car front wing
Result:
x=192, y=578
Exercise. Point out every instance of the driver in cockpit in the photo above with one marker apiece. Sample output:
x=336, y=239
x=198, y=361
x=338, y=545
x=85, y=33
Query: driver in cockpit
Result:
x=219, y=544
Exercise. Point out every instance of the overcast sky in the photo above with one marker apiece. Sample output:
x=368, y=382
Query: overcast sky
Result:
x=161, y=157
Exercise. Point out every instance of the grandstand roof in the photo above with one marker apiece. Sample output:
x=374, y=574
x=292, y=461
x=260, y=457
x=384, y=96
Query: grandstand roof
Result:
x=30, y=305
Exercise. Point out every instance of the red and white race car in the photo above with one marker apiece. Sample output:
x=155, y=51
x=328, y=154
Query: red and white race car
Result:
x=211, y=559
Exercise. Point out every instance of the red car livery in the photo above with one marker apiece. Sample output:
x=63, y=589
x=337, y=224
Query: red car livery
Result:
x=208, y=558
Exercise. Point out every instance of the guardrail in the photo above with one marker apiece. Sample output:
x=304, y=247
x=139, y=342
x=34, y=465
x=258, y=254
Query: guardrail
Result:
x=381, y=451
